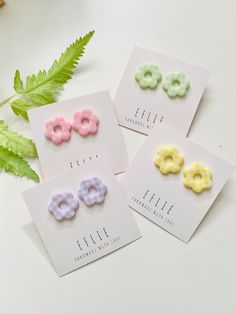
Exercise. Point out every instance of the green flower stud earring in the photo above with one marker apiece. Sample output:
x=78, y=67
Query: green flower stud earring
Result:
x=176, y=84
x=148, y=76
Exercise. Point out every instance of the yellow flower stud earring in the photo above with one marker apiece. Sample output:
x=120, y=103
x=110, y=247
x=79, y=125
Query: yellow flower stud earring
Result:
x=168, y=159
x=197, y=177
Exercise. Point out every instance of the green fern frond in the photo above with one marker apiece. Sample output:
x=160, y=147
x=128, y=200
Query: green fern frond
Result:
x=41, y=89
x=15, y=142
x=18, y=84
x=14, y=164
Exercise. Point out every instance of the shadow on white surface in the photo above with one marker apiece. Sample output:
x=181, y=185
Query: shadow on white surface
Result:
x=200, y=110
x=86, y=67
x=33, y=235
x=215, y=211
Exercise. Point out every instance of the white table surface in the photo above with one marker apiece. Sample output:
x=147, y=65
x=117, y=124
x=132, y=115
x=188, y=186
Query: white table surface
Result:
x=157, y=274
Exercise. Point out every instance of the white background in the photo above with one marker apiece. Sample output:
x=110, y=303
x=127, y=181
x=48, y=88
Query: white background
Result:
x=157, y=274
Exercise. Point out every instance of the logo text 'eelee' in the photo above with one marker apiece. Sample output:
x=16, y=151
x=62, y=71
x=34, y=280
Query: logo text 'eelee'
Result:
x=92, y=239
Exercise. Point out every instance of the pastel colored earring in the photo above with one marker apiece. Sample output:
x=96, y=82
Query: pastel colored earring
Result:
x=58, y=130
x=92, y=191
x=197, y=177
x=85, y=122
x=148, y=76
x=168, y=159
x=176, y=84
x=60, y=212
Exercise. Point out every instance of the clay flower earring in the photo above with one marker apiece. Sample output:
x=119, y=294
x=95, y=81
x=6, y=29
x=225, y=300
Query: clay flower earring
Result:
x=176, y=84
x=85, y=122
x=58, y=130
x=148, y=76
x=92, y=191
x=197, y=177
x=63, y=206
x=168, y=159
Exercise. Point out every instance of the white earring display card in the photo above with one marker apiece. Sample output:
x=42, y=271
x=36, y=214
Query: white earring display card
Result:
x=94, y=225
x=106, y=143
x=141, y=100
x=163, y=198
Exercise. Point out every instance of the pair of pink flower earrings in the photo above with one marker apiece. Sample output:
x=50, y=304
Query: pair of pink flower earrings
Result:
x=85, y=122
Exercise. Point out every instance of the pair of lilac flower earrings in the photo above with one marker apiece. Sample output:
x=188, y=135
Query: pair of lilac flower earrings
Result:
x=64, y=206
x=84, y=122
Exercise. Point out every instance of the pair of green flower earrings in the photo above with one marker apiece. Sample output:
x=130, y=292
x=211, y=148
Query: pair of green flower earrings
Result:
x=175, y=83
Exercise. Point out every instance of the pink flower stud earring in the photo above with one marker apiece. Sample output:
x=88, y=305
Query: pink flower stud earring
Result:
x=85, y=122
x=58, y=130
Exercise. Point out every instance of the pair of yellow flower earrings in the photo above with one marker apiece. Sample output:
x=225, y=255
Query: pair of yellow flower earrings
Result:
x=196, y=177
x=175, y=83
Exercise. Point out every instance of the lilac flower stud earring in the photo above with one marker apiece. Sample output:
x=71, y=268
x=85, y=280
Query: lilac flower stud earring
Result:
x=63, y=206
x=92, y=191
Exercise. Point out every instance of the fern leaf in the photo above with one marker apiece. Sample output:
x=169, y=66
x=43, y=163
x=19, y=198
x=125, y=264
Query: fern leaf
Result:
x=18, y=84
x=21, y=106
x=42, y=89
x=14, y=164
x=15, y=142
